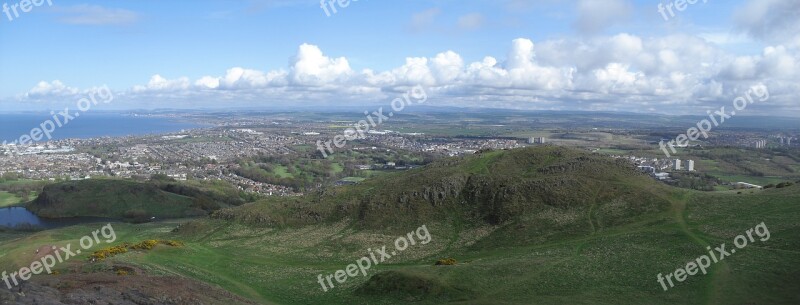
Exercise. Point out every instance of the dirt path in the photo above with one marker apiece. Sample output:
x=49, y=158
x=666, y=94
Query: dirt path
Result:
x=718, y=271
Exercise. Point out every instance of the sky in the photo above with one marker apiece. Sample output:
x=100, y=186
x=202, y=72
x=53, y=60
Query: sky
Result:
x=588, y=55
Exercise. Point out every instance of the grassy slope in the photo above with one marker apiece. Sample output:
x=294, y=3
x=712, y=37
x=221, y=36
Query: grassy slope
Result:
x=107, y=198
x=613, y=266
x=579, y=257
x=114, y=197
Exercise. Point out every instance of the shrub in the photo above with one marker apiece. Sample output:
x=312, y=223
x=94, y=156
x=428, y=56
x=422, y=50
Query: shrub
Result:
x=123, y=271
x=172, y=243
x=769, y=186
x=109, y=252
x=145, y=245
x=149, y=244
x=784, y=184
x=446, y=262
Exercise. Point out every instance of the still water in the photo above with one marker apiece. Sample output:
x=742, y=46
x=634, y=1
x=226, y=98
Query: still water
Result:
x=16, y=216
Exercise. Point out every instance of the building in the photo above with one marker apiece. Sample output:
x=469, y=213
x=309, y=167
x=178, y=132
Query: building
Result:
x=746, y=185
x=677, y=164
x=661, y=176
x=647, y=169
x=535, y=140
x=690, y=165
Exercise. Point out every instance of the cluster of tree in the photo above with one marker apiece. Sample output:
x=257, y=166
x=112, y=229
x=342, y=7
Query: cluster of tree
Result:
x=259, y=174
x=10, y=177
x=695, y=181
x=304, y=173
x=206, y=200
x=779, y=185
x=310, y=169
x=23, y=190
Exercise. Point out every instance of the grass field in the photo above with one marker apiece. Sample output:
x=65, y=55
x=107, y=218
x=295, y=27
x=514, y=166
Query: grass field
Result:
x=750, y=179
x=7, y=199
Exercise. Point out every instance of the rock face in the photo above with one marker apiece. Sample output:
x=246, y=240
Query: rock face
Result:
x=80, y=289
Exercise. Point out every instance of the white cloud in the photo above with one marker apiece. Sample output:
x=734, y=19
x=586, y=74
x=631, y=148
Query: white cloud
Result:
x=674, y=74
x=311, y=67
x=54, y=89
x=159, y=83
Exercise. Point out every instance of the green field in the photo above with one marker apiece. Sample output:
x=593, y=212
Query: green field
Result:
x=7, y=199
x=750, y=179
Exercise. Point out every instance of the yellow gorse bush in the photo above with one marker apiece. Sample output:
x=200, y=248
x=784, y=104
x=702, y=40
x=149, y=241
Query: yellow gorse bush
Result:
x=149, y=244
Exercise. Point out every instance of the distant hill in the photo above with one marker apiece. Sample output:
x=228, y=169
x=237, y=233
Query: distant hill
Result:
x=129, y=200
x=492, y=187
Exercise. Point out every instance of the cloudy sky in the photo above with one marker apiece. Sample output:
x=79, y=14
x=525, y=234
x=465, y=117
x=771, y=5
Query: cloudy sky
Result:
x=604, y=55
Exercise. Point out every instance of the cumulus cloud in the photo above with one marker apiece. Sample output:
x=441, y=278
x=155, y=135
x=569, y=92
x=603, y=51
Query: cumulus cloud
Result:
x=672, y=74
x=56, y=93
x=54, y=87
x=311, y=67
x=159, y=83
x=774, y=63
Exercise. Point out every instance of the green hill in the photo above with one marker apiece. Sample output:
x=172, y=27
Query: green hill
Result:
x=531, y=186
x=134, y=201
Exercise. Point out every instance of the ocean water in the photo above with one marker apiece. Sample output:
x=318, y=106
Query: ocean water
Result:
x=89, y=125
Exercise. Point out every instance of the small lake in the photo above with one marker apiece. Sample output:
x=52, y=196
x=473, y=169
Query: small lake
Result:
x=16, y=216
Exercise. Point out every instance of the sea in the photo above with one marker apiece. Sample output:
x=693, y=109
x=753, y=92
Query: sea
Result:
x=90, y=125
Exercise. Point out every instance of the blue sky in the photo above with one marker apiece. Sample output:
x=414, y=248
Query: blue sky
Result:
x=74, y=46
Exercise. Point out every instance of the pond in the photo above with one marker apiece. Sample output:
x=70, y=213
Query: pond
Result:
x=18, y=216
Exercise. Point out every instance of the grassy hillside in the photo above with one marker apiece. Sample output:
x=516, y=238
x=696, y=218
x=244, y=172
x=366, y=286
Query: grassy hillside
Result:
x=532, y=186
x=132, y=200
x=612, y=266
x=601, y=239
